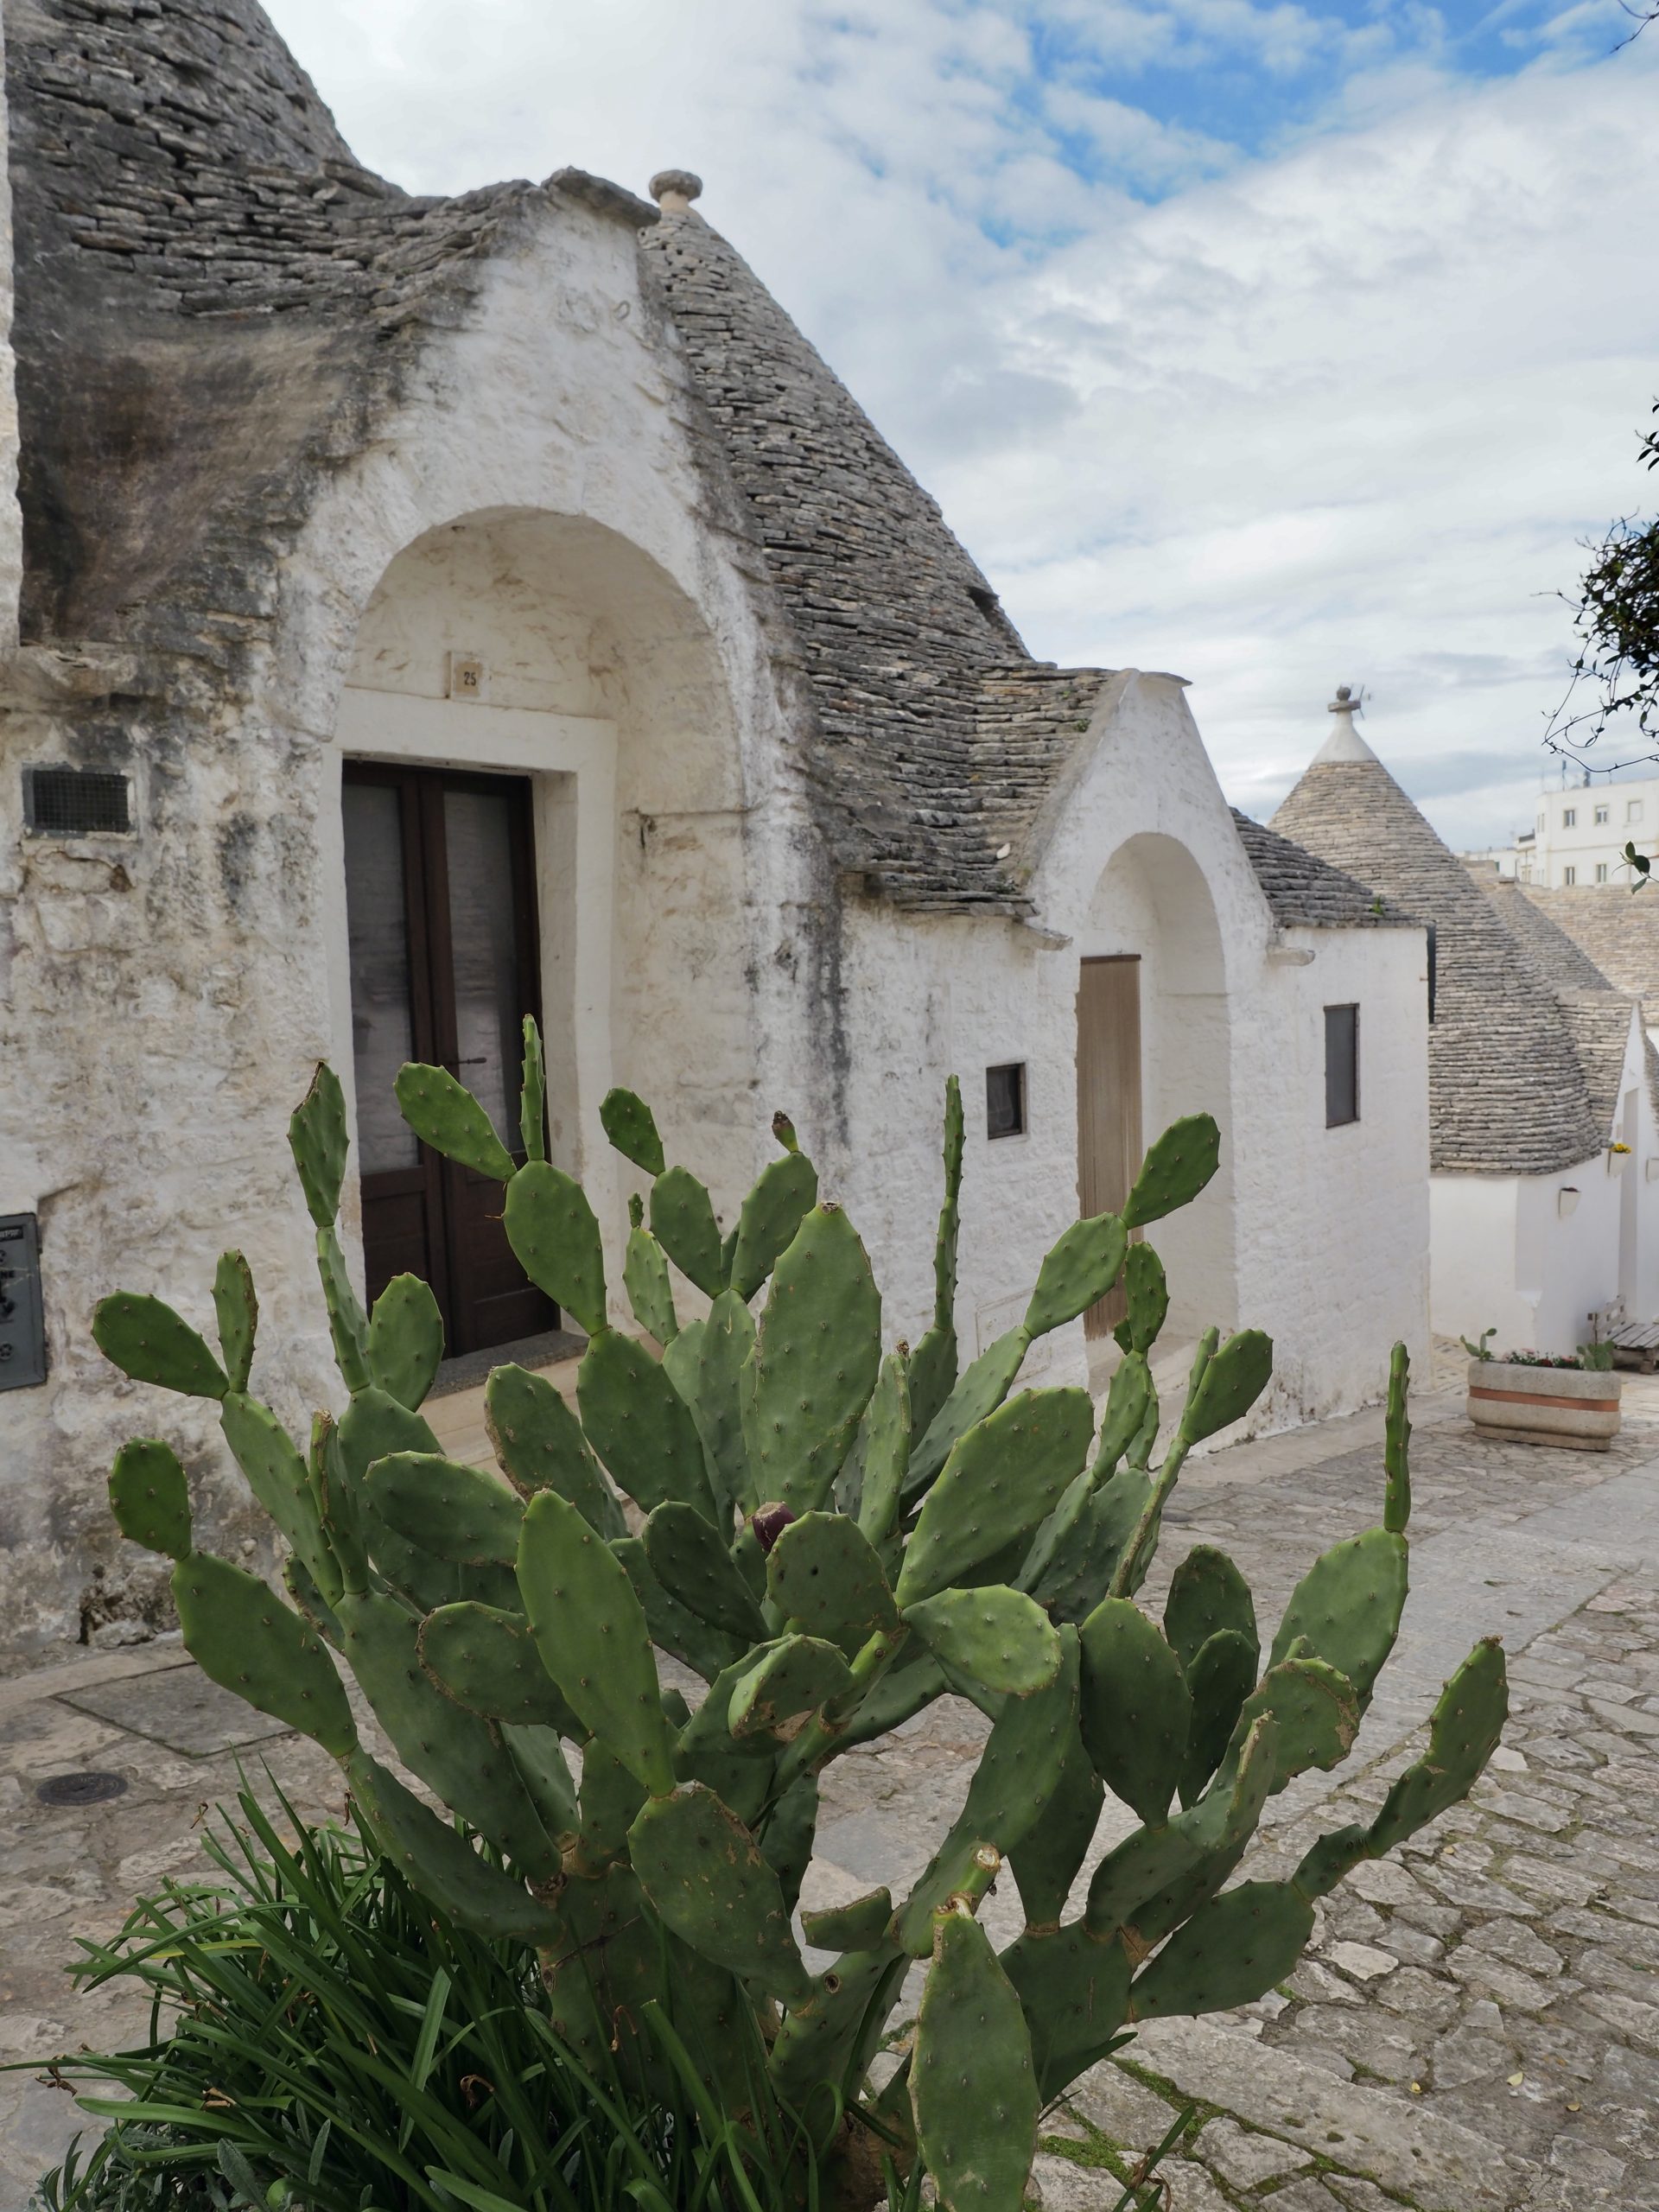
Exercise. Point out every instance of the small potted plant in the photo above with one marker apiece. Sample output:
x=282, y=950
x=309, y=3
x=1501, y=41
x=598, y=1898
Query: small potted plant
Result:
x=1531, y=1397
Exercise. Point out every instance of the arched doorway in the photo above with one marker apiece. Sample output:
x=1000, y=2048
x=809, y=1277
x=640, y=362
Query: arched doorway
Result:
x=1152, y=1044
x=541, y=812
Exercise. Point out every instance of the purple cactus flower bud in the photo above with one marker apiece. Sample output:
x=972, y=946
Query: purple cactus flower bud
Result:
x=769, y=1523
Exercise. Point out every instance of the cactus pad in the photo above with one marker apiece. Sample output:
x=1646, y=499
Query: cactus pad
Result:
x=823, y=1578
x=630, y=1127
x=995, y=1635
x=532, y=1094
x=1316, y=1712
x=1207, y=1594
x=708, y=1650
x=1075, y=1987
x=1147, y=1295
x=554, y=1237
x=1018, y=1773
x=682, y=1222
x=444, y=1114
x=235, y=1308
x=1134, y=1710
x=973, y=2088
x=149, y=1498
x=1230, y=1386
x=727, y=1341
x=442, y=1864
x=1001, y=1480
x=702, y=1871
x=859, y=1926
x=1081, y=1268
x=978, y=1394
x=1232, y=1951
x=795, y=1676
x=1463, y=1734
x=1174, y=1171
x=149, y=1341
x=784, y=1193
x=885, y=1441
x=348, y=1324
x=317, y=1139
x=405, y=1342
x=276, y=1473
x=1396, y=1447
x=251, y=1643
x=692, y=1563
x=640, y=1426
x=1046, y=1859
x=453, y=1510
x=1219, y=1677
x=650, y=1295
x=816, y=1361
x=540, y=1445
x=486, y=1660
x=1348, y=1605
x=590, y=1630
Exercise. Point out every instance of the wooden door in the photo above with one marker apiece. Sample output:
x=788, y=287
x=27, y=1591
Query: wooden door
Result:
x=1109, y=1100
x=441, y=918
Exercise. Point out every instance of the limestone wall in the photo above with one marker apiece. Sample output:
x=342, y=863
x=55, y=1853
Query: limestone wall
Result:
x=171, y=990
x=1317, y=1236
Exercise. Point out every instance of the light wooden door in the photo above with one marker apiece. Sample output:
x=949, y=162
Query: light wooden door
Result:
x=1109, y=1100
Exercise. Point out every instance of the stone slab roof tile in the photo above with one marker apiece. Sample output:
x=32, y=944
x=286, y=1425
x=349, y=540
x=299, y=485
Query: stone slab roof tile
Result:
x=1307, y=892
x=1616, y=928
x=937, y=738
x=172, y=164
x=1567, y=964
x=1508, y=1092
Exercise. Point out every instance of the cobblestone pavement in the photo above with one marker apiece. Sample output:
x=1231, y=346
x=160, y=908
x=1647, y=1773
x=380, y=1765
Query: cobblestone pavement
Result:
x=1476, y=2028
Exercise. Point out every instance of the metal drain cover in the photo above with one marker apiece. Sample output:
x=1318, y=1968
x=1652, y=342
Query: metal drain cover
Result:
x=81, y=1789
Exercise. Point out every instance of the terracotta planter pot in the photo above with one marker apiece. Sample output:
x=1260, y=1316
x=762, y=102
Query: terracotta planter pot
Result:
x=1568, y=1406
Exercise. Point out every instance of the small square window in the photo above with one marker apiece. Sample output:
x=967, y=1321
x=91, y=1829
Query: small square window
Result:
x=76, y=802
x=1341, y=1065
x=1601, y=814
x=1601, y=871
x=1005, y=1100
x=1633, y=810
x=1569, y=817
x=1569, y=875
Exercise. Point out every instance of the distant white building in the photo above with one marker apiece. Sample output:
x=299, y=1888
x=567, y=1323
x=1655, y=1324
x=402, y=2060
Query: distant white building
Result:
x=1579, y=835
x=1544, y=1193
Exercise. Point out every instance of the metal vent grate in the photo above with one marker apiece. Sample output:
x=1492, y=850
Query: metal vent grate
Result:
x=75, y=802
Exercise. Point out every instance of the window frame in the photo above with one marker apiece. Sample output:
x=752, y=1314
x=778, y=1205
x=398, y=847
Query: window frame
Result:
x=1569, y=878
x=1021, y=1124
x=1569, y=817
x=1332, y=1093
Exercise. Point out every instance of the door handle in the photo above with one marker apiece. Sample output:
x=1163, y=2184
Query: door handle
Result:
x=476, y=1061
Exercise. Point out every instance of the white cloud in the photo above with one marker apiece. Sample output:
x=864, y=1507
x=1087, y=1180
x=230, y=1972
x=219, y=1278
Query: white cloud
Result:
x=1341, y=412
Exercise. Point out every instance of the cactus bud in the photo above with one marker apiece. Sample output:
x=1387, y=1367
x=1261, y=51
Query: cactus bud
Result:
x=769, y=1523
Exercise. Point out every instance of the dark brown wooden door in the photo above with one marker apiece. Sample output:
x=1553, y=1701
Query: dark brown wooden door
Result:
x=1109, y=1101
x=441, y=917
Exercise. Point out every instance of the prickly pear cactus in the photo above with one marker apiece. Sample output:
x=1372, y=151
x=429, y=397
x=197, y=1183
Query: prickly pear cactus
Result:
x=831, y=1540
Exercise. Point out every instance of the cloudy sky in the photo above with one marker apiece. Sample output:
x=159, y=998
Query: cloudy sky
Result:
x=1277, y=344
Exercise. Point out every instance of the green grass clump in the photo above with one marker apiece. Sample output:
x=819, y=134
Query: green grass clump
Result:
x=321, y=2040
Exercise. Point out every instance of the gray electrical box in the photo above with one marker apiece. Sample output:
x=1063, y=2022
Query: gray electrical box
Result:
x=23, y=1314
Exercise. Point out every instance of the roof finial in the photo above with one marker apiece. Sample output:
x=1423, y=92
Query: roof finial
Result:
x=1345, y=702
x=674, y=189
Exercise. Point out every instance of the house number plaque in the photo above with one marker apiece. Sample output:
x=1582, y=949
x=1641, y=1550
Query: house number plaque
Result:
x=22, y=1315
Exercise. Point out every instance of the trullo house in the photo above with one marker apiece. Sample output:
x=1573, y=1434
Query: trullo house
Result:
x=1544, y=1199
x=431, y=611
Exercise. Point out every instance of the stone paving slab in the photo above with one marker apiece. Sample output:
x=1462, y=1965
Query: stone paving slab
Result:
x=1476, y=2028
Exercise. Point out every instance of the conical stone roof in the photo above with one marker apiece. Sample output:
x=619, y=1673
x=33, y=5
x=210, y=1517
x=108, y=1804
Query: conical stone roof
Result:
x=203, y=266
x=1508, y=1090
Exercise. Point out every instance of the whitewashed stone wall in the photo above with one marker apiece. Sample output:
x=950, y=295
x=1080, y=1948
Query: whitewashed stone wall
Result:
x=1317, y=1236
x=1535, y=1256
